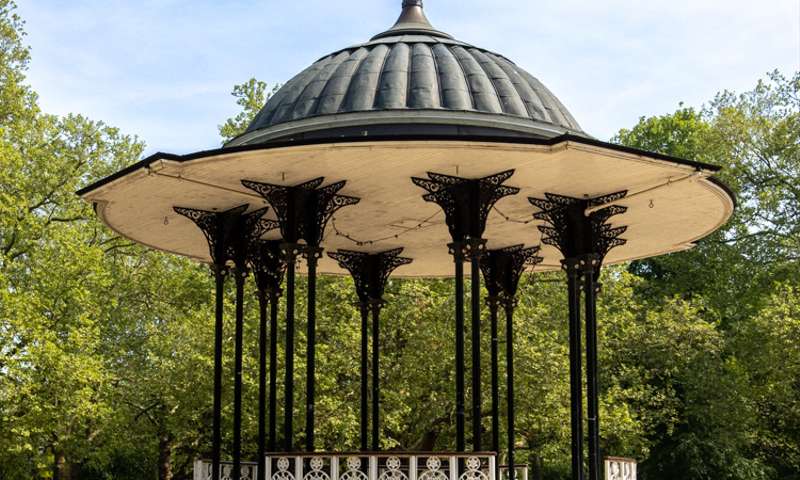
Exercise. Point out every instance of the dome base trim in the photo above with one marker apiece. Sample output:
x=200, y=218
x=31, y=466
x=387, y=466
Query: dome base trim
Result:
x=367, y=119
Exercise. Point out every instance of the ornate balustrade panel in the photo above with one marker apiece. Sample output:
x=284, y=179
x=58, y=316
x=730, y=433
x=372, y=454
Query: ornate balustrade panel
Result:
x=202, y=471
x=361, y=466
x=620, y=468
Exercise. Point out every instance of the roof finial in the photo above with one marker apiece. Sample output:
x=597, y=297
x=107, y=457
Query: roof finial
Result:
x=412, y=21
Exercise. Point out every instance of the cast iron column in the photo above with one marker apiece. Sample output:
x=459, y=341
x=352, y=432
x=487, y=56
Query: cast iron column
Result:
x=589, y=264
x=241, y=276
x=364, y=427
x=268, y=268
x=216, y=435
x=376, y=375
x=370, y=274
x=511, y=434
x=290, y=254
x=466, y=204
x=493, y=303
x=475, y=308
x=502, y=270
x=303, y=212
x=457, y=249
x=245, y=241
x=229, y=234
x=312, y=254
x=584, y=239
x=575, y=370
x=217, y=227
x=272, y=443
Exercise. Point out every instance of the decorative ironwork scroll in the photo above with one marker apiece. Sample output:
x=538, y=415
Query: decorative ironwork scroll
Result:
x=503, y=268
x=466, y=202
x=370, y=271
x=572, y=231
x=303, y=210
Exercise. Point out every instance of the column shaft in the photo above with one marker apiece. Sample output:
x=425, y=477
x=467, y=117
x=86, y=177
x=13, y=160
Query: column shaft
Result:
x=475, y=307
x=592, y=392
x=216, y=440
x=575, y=374
x=237, y=381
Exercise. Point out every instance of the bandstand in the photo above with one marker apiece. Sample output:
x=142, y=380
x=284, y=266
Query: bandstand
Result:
x=411, y=155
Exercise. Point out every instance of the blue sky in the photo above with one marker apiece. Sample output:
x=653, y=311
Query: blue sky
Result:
x=163, y=69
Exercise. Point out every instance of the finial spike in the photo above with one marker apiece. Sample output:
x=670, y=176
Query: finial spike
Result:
x=412, y=21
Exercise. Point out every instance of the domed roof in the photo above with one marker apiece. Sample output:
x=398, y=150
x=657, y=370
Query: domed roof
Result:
x=411, y=80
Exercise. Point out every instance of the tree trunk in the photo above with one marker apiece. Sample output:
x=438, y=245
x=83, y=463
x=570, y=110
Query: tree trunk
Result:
x=165, y=457
x=60, y=468
x=537, y=467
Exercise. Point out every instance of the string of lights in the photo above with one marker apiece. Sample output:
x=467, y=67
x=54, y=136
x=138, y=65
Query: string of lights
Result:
x=366, y=243
x=512, y=220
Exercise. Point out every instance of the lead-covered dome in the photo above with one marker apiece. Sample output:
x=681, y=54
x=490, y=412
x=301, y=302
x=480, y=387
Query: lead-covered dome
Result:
x=411, y=80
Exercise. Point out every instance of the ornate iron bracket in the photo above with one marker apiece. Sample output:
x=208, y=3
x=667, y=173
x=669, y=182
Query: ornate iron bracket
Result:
x=466, y=202
x=303, y=210
x=370, y=272
x=503, y=268
x=269, y=265
x=573, y=232
x=230, y=233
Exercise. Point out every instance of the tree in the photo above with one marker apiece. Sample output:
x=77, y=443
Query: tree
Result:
x=250, y=96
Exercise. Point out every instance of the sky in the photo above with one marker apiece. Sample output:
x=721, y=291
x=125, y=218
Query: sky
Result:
x=164, y=69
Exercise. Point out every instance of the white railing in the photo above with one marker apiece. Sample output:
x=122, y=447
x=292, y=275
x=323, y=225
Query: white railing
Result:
x=202, y=471
x=620, y=468
x=362, y=466
x=520, y=472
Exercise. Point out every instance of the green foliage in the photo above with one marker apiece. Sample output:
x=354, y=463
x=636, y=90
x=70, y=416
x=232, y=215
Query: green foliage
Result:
x=106, y=347
x=250, y=97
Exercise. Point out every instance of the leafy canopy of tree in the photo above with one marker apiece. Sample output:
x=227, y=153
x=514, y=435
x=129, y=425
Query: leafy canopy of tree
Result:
x=250, y=97
x=106, y=347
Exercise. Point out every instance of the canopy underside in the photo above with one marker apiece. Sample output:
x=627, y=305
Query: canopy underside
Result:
x=670, y=205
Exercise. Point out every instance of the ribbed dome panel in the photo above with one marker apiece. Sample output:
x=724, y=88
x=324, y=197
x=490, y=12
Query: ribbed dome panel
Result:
x=414, y=73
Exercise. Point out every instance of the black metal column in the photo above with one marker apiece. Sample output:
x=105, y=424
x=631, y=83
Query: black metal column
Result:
x=262, y=377
x=475, y=307
x=509, y=308
x=241, y=276
x=495, y=374
x=376, y=375
x=580, y=229
x=229, y=234
x=364, y=427
x=268, y=267
x=272, y=443
x=370, y=274
x=575, y=370
x=589, y=264
x=290, y=250
x=216, y=435
x=457, y=249
x=466, y=204
x=502, y=270
x=303, y=212
x=312, y=255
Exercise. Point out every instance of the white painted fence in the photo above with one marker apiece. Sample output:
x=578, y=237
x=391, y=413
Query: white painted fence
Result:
x=620, y=468
x=363, y=466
